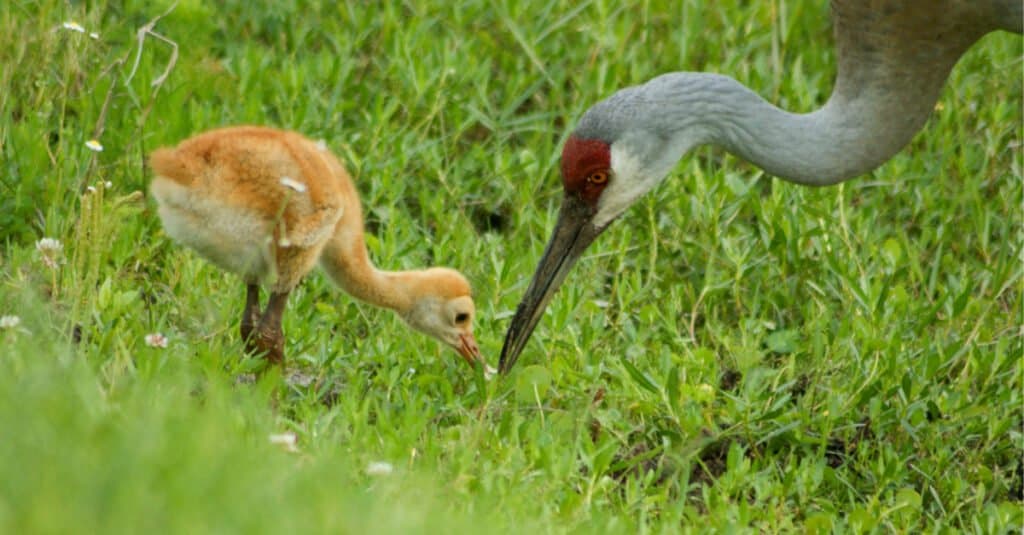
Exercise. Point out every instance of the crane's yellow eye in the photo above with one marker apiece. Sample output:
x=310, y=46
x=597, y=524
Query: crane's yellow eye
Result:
x=598, y=177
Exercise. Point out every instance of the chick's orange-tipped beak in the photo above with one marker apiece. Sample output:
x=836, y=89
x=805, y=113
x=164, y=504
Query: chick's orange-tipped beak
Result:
x=471, y=353
x=468, y=349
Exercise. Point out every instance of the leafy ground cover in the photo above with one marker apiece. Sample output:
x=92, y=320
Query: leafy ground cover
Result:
x=737, y=353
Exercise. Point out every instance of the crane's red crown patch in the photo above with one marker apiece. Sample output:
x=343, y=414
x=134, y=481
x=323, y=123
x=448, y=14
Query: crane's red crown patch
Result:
x=580, y=159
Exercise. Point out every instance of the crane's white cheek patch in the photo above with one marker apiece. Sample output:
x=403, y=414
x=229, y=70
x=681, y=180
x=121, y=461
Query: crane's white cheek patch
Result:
x=628, y=183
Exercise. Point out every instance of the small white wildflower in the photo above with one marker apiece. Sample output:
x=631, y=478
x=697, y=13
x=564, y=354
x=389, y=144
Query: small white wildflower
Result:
x=94, y=145
x=51, y=251
x=322, y=145
x=379, y=468
x=287, y=440
x=108, y=184
x=90, y=189
x=49, y=245
x=290, y=182
x=9, y=322
x=156, y=340
x=94, y=35
x=73, y=26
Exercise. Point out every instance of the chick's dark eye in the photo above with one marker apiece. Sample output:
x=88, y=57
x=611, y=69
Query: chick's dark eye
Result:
x=597, y=177
x=461, y=317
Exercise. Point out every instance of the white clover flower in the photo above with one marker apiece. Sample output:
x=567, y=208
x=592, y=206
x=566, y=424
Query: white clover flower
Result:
x=108, y=184
x=155, y=340
x=9, y=322
x=290, y=182
x=51, y=250
x=379, y=468
x=49, y=245
x=287, y=440
x=94, y=145
x=73, y=26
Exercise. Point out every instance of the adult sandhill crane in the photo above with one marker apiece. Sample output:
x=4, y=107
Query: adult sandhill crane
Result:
x=268, y=204
x=894, y=57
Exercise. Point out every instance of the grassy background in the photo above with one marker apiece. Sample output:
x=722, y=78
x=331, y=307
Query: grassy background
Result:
x=737, y=352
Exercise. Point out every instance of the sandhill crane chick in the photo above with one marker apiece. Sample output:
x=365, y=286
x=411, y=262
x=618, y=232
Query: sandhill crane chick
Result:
x=269, y=205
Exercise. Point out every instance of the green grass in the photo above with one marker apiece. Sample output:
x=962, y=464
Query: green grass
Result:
x=737, y=353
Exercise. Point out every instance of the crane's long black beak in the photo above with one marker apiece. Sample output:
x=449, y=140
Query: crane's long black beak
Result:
x=573, y=233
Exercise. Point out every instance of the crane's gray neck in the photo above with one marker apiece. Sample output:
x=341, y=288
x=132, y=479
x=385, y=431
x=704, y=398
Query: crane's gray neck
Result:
x=893, y=59
x=847, y=137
